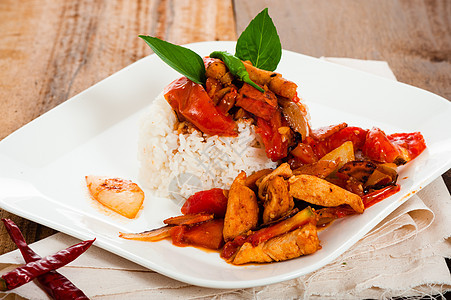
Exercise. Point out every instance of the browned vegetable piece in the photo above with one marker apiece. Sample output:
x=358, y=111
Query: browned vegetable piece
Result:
x=189, y=219
x=218, y=70
x=353, y=185
x=278, y=201
x=323, y=133
x=321, y=192
x=360, y=170
x=283, y=226
x=212, y=86
x=241, y=114
x=293, y=244
x=206, y=234
x=328, y=214
x=227, y=101
x=295, y=116
x=153, y=235
x=321, y=169
x=274, y=81
x=242, y=209
x=218, y=95
x=385, y=174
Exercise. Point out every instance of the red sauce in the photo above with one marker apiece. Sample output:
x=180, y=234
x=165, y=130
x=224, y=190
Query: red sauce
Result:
x=379, y=195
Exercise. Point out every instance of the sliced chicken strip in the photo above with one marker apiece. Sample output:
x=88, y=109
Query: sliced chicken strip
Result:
x=278, y=200
x=242, y=209
x=283, y=170
x=321, y=192
x=293, y=244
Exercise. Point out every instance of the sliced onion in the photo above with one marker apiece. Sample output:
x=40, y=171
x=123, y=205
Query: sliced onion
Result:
x=294, y=116
x=189, y=219
x=153, y=235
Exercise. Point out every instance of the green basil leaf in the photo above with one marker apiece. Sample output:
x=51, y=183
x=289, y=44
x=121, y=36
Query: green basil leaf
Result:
x=260, y=43
x=181, y=59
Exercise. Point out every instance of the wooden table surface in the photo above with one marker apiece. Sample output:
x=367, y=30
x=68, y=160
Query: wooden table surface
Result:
x=53, y=50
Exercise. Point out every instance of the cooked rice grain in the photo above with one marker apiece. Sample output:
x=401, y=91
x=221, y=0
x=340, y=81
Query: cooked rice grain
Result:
x=181, y=164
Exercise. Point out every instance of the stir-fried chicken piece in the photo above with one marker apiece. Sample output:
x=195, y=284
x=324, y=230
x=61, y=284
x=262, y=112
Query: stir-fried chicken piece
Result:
x=283, y=170
x=251, y=180
x=278, y=200
x=217, y=69
x=293, y=244
x=242, y=209
x=274, y=81
x=321, y=192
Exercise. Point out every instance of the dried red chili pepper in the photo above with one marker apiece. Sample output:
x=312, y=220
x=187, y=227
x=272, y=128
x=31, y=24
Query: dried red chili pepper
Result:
x=31, y=270
x=56, y=285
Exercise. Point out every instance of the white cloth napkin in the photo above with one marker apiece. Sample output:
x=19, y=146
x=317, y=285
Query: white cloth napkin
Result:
x=402, y=256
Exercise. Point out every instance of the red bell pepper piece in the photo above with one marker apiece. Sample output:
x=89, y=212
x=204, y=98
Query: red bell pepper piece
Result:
x=192, y=101
x=176, y=234
x=275, y=147
x=356, y=135
x=232, y=247
x=379, y=195
x=207, y=234
x=210, y=201
x=304, y=154
x=263, y=105
x=320, y=148
x=378, y=147
x=413, y=142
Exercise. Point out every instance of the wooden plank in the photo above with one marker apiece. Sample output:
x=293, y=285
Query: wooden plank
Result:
x=53, y=50
x=59, y=48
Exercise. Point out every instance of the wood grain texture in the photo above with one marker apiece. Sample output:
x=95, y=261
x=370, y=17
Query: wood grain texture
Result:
x=53, y=50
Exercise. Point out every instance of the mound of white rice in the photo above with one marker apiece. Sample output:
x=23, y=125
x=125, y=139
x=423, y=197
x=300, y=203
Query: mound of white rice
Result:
x=178, y=165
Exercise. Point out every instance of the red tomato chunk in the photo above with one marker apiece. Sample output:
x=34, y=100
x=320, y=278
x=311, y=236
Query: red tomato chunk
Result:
x=211, y=201
x=191, y=101
x=207, y=234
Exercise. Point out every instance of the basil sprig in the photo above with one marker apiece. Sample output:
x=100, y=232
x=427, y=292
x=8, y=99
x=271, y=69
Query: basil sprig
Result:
x=181, y=59
x=260, y=43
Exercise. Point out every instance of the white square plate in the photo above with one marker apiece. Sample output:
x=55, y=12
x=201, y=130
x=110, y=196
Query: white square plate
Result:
x=43, y=164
